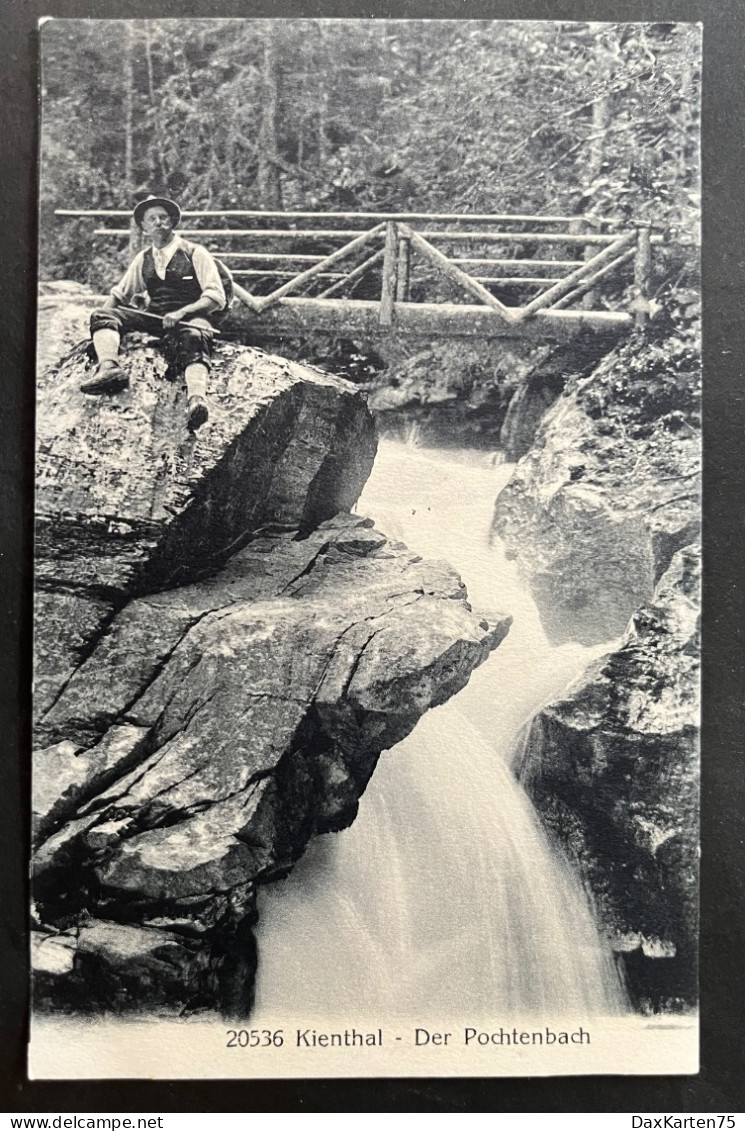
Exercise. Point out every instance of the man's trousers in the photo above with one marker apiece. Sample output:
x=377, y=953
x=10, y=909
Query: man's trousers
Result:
x=187, y=342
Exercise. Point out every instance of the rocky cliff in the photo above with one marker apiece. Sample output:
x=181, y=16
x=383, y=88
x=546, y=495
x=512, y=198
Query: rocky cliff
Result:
x=613, y=769
x=477, y=394
x=603, y=517
x=606, y=496
x=222, y=652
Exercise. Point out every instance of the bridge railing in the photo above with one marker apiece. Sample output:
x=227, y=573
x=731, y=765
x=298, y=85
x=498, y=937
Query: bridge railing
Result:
x=320, y=255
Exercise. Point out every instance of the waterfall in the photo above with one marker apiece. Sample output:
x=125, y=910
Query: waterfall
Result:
x=445, y=896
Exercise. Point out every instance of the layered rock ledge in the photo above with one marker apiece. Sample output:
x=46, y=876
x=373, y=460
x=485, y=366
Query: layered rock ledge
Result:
x=223, y=651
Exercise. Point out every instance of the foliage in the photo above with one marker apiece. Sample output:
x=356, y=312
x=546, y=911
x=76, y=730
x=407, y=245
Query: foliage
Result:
x=520, y=116
x=649, y=385
x=597, y=120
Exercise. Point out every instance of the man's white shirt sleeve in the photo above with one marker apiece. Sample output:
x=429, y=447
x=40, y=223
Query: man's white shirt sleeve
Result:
x=132, y=281
x=208, y=276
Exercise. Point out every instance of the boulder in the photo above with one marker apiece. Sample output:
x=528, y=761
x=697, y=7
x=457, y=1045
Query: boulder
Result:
x=128, y=501
x=217, y=727
x=539, y=388
x=613, y=770
x=110, y=964
x=594, y=515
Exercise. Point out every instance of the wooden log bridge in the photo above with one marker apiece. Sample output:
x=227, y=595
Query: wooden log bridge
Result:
x=430, y=275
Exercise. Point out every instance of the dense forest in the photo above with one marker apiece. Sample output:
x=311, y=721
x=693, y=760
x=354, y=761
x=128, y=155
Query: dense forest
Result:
x=473, y=116
x=595, y=120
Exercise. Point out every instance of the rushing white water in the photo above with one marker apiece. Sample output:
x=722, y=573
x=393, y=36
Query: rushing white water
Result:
x=444, y=898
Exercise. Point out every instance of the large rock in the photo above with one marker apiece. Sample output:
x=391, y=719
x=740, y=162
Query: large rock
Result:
x=129, y=502
x=193, y=738
x=544, y=382
x=613, y=769
x=594, y=515
x=603, y=517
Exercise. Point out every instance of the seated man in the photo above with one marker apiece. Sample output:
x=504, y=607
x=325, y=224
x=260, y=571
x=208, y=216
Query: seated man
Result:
x=183, y=285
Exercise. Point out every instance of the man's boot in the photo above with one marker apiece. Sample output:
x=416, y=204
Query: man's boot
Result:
x=108, y=378
x=198, y=413
x=195, y=375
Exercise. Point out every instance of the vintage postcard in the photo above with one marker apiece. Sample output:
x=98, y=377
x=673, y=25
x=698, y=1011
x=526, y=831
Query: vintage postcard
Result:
x=367, y=549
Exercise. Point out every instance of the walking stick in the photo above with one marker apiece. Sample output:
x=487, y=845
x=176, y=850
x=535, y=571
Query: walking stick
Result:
x=147, y=314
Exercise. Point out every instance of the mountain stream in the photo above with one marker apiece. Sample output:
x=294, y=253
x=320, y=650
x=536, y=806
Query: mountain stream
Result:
x=445, y=897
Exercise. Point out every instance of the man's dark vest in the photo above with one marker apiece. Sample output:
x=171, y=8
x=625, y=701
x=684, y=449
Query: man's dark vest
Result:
x=180, y=286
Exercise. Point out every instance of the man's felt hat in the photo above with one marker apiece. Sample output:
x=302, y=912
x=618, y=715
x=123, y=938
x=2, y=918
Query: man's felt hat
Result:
x=170, y=206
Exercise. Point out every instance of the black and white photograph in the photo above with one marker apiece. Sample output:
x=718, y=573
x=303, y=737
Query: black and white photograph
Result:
x=367, y=549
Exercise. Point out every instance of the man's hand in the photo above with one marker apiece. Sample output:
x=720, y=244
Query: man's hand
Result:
x=170, y=320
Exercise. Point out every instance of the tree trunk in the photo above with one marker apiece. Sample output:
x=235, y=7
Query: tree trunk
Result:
x=270, y=188
x=158, y=165
x=135, y=235
x=601, y=116
x=688, y=156
x=128, y=107
x=323, y=101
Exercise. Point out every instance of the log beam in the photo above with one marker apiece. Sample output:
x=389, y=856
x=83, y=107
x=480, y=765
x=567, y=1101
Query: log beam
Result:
x=254, y=214
x=585, y=288
x=551, y=264
x=352, y=277
x=467, y=282
x=643, y=270
x=267, y=273
x=403, y=271
x=245, y=297
x=298, y=317
x=390, y=268
x=319, y=268
x=589, y=271
x=341, y=233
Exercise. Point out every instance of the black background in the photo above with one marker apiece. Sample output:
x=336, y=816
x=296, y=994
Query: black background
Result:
x=718, y=1087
